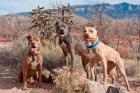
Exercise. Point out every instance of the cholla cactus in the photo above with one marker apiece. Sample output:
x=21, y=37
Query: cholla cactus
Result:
x=44, y=20
x=67, y=17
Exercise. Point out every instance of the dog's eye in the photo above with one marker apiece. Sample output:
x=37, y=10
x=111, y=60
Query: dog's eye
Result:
x=64, y=26
x=91, y=31
x=84, y=31
x=37, y=40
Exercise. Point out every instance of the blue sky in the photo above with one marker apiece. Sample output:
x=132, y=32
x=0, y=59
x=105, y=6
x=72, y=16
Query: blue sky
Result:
x=15, y=6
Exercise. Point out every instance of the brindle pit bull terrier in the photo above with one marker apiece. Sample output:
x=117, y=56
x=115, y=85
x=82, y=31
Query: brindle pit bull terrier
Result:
x=103, y=54
x=31, y=67
x=69, y=43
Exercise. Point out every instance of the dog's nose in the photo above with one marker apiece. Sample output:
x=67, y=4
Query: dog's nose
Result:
x=33, y=45
x=86, y=36
x=61, y=31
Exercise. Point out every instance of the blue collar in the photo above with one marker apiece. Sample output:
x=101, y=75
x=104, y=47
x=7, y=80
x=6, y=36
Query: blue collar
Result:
x=94, y=45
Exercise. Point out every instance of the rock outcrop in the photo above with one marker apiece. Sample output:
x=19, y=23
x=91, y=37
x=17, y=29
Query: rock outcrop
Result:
x=96, y=87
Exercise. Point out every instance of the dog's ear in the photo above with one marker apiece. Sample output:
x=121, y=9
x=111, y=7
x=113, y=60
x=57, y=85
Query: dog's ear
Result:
x=83, y=28
x=96, y=27
x=42, y=39
x=57, y=23
x=29, y=37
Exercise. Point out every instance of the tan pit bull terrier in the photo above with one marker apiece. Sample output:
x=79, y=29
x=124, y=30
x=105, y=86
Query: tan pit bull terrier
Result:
x=101, y=53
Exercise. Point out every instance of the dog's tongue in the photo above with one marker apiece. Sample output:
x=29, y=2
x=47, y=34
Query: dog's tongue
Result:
x=62, y=35
x=33, y=49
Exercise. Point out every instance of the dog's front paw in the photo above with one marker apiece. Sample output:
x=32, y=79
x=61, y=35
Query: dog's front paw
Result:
x=103, y=82
x=39, y=84
x=25, y=88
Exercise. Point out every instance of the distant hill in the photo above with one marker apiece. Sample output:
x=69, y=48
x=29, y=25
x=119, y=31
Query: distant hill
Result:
x=116, y=11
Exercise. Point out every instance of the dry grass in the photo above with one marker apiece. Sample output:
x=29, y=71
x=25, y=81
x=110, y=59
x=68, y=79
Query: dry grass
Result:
x=132, y=64
x=69, y=81
x=53, y=56
x=12, y=54
x=130, y=67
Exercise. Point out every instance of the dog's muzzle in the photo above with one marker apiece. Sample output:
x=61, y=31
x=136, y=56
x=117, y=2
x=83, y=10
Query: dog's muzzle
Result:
x=61, y=35
x=87, y=37
x=34, y=50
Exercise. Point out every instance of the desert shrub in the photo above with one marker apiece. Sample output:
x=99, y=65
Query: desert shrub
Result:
x=133, y=56
x=132, y=64
x=13, y=53
x=130, y=67
x=69, y=81
x=53, y=56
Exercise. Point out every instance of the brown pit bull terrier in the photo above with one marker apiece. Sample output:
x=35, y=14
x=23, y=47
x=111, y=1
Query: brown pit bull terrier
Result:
x=31, y=67
x=101, y=53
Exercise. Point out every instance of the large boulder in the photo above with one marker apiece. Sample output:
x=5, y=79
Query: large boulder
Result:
x=96, y=87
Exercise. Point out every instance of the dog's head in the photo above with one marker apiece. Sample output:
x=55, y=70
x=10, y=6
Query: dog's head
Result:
x=61, y=29
x=34, y=43
x=90, y=34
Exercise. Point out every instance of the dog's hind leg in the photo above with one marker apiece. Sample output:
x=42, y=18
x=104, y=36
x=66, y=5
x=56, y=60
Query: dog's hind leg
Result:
x=72, y=57
x=20, y=77
x=65, y=55
x=103, y=61
x=122, y=70
x=25, y=79
x=112, y=77
x=67, y=60
x=111, y=65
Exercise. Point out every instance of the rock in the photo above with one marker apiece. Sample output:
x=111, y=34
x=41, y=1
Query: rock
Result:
x=96, y=87
x=46, y=75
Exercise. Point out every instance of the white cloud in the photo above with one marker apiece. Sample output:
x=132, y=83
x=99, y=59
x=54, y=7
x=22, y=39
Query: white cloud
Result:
x=15, y=6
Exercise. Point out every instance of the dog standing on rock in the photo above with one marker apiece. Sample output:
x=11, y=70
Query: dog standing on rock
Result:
x=103, y=54
x=70, y=44
x=31, y=68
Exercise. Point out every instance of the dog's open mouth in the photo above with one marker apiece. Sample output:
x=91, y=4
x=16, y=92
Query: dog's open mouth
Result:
x=87, y=38
x=61, y=36
x=34, y=49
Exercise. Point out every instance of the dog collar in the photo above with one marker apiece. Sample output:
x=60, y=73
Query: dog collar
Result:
x=94, y=45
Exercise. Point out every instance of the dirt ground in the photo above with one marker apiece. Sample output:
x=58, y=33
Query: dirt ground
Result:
x=9, y=83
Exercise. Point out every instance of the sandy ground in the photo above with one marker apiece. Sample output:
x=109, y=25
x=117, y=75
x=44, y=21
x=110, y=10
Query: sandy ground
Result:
x=9, y=83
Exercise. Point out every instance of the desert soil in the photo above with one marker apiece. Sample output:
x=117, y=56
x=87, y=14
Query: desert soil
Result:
x=9, y=83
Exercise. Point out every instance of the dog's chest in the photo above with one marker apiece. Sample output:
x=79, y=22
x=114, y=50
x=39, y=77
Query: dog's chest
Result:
x=34, y=65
